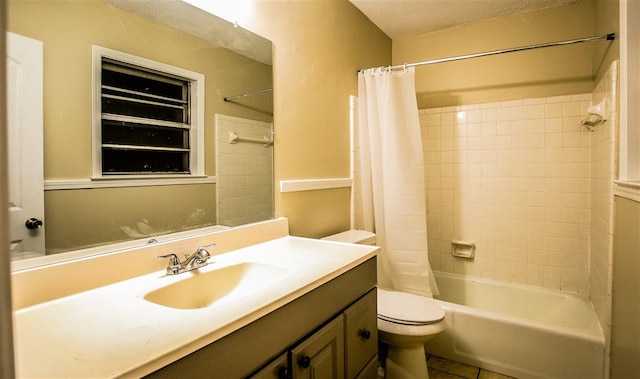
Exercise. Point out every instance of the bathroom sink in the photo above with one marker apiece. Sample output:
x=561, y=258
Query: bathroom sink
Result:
x=202, y=289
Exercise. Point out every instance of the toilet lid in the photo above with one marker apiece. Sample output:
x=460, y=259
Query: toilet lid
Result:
x=406, y=308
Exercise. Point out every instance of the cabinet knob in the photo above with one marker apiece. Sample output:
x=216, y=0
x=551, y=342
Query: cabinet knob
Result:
x=304, y=361
x=284, y=373
x=365, y=334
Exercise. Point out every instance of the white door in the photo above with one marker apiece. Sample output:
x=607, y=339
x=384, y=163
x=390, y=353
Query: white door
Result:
x=24, y=109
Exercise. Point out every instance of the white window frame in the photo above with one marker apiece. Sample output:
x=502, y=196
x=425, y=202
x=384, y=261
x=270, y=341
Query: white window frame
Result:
x=196, y=134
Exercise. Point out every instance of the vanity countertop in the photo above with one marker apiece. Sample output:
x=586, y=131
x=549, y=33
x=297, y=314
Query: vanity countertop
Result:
x=112, y=331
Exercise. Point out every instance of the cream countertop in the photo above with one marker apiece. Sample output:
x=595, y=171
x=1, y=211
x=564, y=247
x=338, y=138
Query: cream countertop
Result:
x=112, y=331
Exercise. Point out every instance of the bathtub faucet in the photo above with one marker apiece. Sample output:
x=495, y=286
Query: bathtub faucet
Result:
x=191, y=262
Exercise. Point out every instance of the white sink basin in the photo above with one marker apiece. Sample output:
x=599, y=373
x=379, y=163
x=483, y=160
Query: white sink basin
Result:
x=201, y=289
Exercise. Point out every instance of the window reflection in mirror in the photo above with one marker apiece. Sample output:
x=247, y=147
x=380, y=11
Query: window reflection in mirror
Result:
x=82, y=210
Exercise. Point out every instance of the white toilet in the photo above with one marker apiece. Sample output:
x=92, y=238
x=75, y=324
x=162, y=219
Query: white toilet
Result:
x=405, y=321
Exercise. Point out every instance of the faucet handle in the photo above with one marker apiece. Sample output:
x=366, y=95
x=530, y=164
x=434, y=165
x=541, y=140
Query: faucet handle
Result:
x=174, y=263
x=203, y=248
x=174, y=260
x=202, y=252
x=202, y=255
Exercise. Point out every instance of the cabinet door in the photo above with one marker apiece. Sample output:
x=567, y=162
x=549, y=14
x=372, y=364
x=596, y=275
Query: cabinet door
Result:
x=370, y=371
x=277, y=369
x=361, y=328
x=321, y=355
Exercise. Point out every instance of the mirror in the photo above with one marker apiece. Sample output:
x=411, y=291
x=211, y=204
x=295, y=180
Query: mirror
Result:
x=85, y=214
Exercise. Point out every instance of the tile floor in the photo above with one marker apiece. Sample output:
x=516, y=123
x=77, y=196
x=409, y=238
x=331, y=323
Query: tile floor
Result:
x=441, y=368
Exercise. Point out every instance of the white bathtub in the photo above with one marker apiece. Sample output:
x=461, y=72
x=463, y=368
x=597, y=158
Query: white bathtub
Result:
x=521, y=331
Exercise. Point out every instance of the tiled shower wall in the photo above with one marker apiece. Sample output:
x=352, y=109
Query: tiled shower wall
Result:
x=244, y=172
x=514, y=178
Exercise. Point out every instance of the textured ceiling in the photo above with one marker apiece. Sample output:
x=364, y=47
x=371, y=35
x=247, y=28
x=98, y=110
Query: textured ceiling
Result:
x=400, y=18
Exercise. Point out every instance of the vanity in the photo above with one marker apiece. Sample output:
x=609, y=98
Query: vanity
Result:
x=279, y=306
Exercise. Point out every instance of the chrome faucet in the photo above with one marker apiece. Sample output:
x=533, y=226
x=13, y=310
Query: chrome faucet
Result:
x=191, y=262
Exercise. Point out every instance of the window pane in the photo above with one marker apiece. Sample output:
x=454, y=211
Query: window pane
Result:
x=140, y=83
x=129, y=108
x=128, y=133
x=117, y=161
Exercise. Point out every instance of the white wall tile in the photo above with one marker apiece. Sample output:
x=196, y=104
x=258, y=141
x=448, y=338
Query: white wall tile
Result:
x=527, y=183
x=520, y=158
x=244, y=172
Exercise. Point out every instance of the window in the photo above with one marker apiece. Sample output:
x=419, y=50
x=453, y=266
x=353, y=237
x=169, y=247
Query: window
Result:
x=148, y=118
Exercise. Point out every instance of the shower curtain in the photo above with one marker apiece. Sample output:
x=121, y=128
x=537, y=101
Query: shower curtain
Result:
x=392, y=178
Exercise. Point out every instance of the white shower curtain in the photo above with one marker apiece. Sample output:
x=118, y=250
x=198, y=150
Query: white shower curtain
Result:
x=392, y=178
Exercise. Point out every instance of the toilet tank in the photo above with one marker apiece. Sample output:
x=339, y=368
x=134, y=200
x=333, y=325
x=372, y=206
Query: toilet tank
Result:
x=361, y=237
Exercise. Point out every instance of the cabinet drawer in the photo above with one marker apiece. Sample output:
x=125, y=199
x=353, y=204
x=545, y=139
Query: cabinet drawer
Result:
x=361, y=333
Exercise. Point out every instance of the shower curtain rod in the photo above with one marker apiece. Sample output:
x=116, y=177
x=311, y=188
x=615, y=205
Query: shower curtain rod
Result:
x=608, y=37
x=249, y=94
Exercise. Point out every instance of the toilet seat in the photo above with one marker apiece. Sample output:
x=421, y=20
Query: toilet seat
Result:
x=407, y=309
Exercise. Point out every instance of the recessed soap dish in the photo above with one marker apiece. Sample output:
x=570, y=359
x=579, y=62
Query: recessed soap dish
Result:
x=463, y=249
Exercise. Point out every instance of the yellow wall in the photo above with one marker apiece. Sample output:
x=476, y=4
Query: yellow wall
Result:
x=86, y=218
x=83, y=218
x=539, y=73
x=606, y=20
x=625, y=329
x=319, y=46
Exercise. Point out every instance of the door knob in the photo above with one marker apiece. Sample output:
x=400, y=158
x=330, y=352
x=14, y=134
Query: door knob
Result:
x=33, y=223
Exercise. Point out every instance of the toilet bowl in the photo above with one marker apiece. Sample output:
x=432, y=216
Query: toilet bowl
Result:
x=405, y=321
